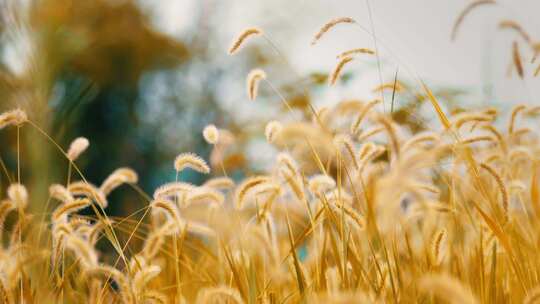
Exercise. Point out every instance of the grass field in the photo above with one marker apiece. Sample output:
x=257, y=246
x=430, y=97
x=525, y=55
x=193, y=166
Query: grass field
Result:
x=362, y=204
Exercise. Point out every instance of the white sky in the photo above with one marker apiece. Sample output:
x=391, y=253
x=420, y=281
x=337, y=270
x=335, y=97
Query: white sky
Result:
x=416, y=31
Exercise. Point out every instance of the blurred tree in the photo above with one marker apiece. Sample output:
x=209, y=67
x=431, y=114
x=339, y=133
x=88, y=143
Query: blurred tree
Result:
x=82, y=79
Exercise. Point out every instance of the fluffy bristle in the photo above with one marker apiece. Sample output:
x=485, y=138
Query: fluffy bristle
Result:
x=465, y=12
x=239, y=41
x=18, y=194
x=355, y=51
x=117, y=178
x=337, y=70
x=192, y=161
x=271, y=130
x=329, y=25
x=211, y=134
x=12, y=118
x=252, y=82
x=321, y=183
x=77, y=147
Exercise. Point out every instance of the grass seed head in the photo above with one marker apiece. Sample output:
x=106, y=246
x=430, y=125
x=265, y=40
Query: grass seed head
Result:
x=192, y=161
x=12, y=118
x=211, y=134
x=77, y=147
x=242, y=37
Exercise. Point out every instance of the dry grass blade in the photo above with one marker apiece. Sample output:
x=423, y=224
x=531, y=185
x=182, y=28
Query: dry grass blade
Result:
x=239, y=41
x=337, y=70
x=516, y=57
x=435, y=104
x=14, y=117
x=355, y=126
x=252, y=82
x=355, y=51
x=61, y=213
x=329, y=25
x=501, y=184
x=436, y=245
x=473, y=5
x=192, y=161
x=511, y=24
x=117, y=178
x=300, y=278
x=77, y=147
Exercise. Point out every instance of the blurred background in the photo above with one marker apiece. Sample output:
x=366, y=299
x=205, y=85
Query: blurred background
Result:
x=141, y=79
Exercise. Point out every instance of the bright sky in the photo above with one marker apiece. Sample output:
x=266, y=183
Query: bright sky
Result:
x=417, y=33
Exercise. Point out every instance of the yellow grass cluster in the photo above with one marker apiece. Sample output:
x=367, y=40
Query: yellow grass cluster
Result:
x=393, y=217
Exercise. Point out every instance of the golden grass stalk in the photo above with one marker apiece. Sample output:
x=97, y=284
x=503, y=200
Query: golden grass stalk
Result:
x=500, y=184
x=513, y=116
x=436, y=244
x=295, y=185
x=12, y=118
x=344, y=141
x=77, y=147
x=392, y=134
x=464, y=118
x=419, y=139
x=61, y=213
x=272, y=129
x=153, y=244
x=211, y=134
x=60, y=193
x=329, y=25
x=192, y=161
x=88, y=190
x=363, y=113
x=446, y=287
x=153, y=296
x=144, y=276
x=170, y=209
x=479, y=138
x=111, y=272
x=221, y=293
x=220, y=183
x=6, y=206
x=252, y=82
x=367, y=134
x=205, y=194
x=243, y=189
x=18, y=194
x=396, y=86
x=285, y=160
x=320, y=184
x=83, y=250
x=337, y=70
x=512, y=25
x=242, y=37
x=173, y=189
x=516, y=57
x=467, y=10
x=5, y=294
x=117, y=178
x=353, y=217
x=348, y=53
